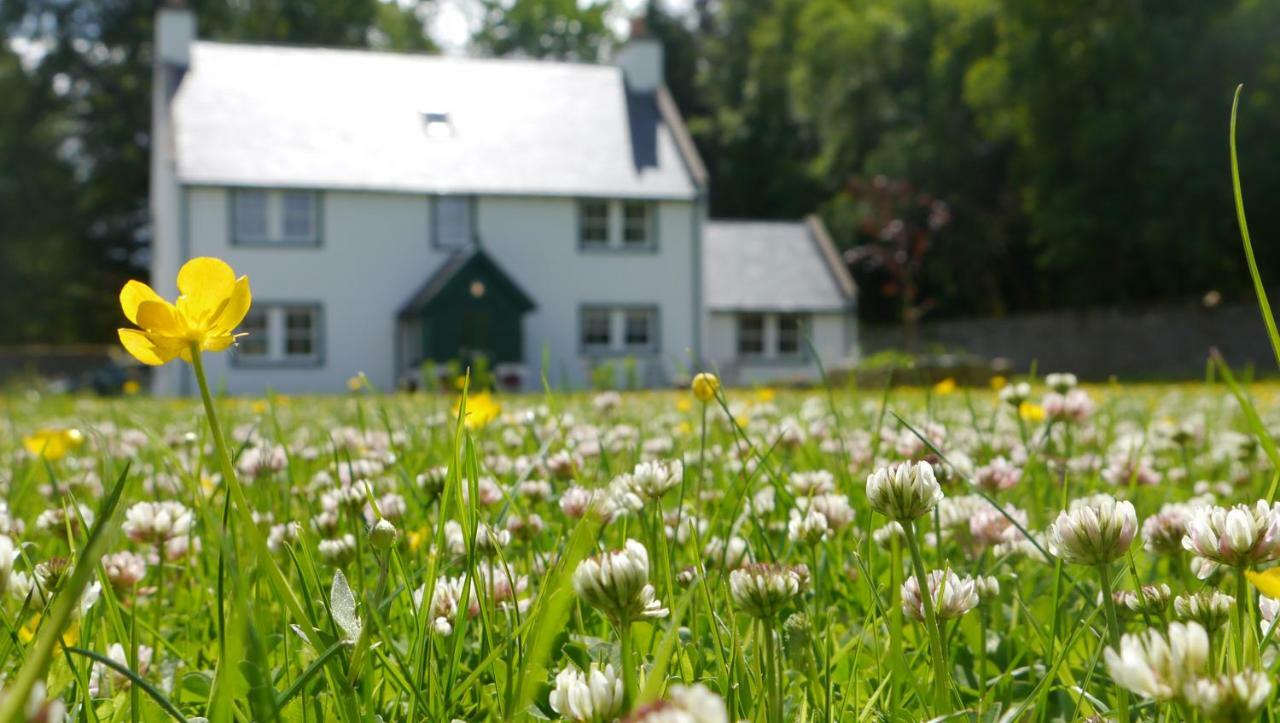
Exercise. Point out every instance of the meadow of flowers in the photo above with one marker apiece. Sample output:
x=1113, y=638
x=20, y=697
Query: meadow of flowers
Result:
x=709, y=555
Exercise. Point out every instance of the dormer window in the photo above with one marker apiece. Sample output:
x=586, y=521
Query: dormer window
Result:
x=437, y=124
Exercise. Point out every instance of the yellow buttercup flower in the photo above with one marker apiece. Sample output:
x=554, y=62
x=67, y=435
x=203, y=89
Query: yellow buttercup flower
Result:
x=683, y=404
x=356, y=383
x=946, y=386
x=705, y=386
x=212, y=304
x=766, y=394
x=70, y=636
x=998, y=382
x=130, y=387
x=1031, y=412
x=1267, y=581
x=481, y=409
x=52, y=444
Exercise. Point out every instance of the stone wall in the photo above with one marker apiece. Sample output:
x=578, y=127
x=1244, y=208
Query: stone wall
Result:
x=1161, y=342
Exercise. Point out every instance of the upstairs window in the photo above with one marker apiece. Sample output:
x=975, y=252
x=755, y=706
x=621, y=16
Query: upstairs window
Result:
x=593, y=224
x=790, y=334
x=267, y=217
x=751, y=334
x=249, y=210
x=453, y=216
x=616, y=225
x=635, y=224
x=299, y=216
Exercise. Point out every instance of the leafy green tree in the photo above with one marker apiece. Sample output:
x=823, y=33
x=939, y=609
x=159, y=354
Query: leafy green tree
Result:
x=556, y=29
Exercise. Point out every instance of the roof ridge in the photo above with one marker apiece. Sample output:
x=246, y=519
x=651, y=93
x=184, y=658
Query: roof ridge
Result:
x=415, y=54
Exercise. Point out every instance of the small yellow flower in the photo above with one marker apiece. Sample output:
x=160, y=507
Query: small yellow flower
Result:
x=356, y=383
x=766, y=394
x=705, y=386
x=1031, y=412
x=683, y=404
x=258, y=406
x=1267, y=581
x=481, y=409
x=52, y=444
x=417, y=537
x=998, y=382
x=130, y=387
x=70, y=636
x=946, y=386
x=212, y=304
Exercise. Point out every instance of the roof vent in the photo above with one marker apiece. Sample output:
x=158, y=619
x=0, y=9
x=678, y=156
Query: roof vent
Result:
x=437, y=124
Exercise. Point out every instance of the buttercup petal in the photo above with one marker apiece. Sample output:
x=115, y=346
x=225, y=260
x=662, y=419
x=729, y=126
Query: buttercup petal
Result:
x=218, y=343
x=132, y=296
x=159, y=317
x=206, y=283
x=1267, y=581
x=140, y=347
x=236, y=308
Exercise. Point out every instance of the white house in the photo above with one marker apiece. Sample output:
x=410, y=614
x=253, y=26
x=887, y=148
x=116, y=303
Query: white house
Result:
x=392, y=208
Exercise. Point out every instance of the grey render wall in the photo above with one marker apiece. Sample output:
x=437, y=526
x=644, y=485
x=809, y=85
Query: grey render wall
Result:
x=1162, y=342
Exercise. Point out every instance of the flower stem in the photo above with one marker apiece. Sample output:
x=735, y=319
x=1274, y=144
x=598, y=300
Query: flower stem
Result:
x=1113, y=623
x=771, y=682
x=629, y=683
x=1242, y=617
x=941, y=679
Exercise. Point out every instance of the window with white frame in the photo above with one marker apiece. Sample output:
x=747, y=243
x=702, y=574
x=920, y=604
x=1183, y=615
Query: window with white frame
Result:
x=638, y=329
x=453, y=222
x=619, y=329
x=299, y=225
x=593, y=224
x=635, y=224
x=751, y=334
x=286, y=333
x=265, y=216
x=249, y=212
x=597, y=329
x=790, y=334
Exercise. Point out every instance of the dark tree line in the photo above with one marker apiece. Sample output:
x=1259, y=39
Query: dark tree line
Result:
x=1079, y=147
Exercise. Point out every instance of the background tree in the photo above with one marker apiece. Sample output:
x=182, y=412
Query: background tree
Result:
x=556, y=29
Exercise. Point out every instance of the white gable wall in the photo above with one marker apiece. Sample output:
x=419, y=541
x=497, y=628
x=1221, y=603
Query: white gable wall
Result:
x=375, y=252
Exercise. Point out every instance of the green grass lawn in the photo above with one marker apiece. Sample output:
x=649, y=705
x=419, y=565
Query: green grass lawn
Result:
x=587, y=557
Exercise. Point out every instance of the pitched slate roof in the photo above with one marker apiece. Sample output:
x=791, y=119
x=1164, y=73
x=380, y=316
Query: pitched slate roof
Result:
x=773, y=266
x=263, y=115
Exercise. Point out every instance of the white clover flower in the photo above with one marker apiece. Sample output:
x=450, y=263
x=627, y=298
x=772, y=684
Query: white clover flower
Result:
x=764, y=590
x=809, y=527
x=105, y=681
x=987, y=586
x=124, y=569
x=593, y=696
x=1094, y=532
x=1210, y=608
x=9, y=554
x=1162, y=533
x=684, y=704
x=808, y=484
x=904, y=491
x=952, y=595
x=1015, y=394
x=1149, y=599
x=446, y=599
x=617, y=583
x=730, y=555
x=1230, y=698
x=649, y=481
x=338, y=551
x=997, y=475
x=1157, y=665
x=1060, y=382
x=1240, y=536
x=157, y=522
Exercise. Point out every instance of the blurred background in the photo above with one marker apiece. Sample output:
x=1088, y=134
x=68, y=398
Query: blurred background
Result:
x=1015, y=180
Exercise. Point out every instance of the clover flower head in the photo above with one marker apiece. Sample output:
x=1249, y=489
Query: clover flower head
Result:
x=1239, y=536
x=590, y=696
x=1060, y=382
x=1159, y=665
x=684, y=704
x=124, y=569
x=951, y=594
x=1209, y=608
x=157, y=522
x=1015, y=394
x=764, y=590
x=904, y=491
x=1230, y=697
x=1162, y=532
x=1148, y=599
x=808, y=527
x=617, y=584
x=1094, y=531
